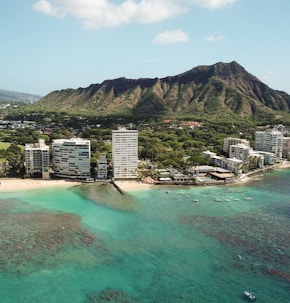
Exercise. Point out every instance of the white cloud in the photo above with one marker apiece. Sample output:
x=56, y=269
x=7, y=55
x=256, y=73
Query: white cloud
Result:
x=46, y=8
x=171, y=37
x=106, y=13
x=213, y=38
x=212, y=4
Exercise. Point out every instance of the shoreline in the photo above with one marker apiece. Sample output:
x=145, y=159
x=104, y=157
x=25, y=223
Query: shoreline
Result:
x=251, y=175
x=133, y=185
x=17, y=184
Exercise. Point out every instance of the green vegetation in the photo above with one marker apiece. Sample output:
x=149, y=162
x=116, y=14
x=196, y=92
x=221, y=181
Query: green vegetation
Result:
x=11, y=159
x=4, y=145
x=163, y=144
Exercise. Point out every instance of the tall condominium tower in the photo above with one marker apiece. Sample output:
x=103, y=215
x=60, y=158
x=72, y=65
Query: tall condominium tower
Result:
x=37, y=159
x=269, y=141
x=71, y=158
x=125, y=153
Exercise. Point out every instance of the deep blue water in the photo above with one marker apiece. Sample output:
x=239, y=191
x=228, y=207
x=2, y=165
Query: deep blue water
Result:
x=91, y=244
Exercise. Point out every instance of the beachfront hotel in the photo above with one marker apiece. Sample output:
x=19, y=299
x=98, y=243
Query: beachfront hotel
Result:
x=270, y=141
x=240, y=151
x=71, y=158
x=125, y=153
x=233, y=141
x=37, y=159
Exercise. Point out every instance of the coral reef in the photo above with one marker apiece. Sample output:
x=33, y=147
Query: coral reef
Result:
x=262, y=240
x=37, y=238
x=110, y=295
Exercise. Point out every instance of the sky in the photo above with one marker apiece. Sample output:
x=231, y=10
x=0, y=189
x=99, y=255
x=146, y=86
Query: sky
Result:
x=49, y=45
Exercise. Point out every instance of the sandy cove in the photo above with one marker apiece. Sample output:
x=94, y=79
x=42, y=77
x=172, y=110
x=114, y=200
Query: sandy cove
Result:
x=14, y=184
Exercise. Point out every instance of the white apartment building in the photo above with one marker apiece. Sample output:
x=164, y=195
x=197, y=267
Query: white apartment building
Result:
x=234, y=165
x=270, y=141
x=37, y=159
x=218, y=161
x=207, y=155
x=71, y=158
x=256, y=160
x=233, y=141
x=269, y=158
x=240, y=151
x=125, y=153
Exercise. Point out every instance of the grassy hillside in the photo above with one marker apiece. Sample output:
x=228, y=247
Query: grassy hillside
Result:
x=11, y=96
x=4, y=145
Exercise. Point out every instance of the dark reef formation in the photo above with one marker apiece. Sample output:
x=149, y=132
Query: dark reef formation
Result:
x=266, y=249
x=110, y=295
x=31, y=240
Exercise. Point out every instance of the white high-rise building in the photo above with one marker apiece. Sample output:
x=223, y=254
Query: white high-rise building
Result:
x=71, y=158
x=125, y=153
x=233, y=141
x=37, y=159
x=270, y=141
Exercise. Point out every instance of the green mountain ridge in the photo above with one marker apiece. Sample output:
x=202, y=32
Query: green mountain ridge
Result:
x=13, y=96
x=220, y=89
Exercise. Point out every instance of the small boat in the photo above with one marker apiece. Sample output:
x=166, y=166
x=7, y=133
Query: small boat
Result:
x=195, y=200
x=250, y=295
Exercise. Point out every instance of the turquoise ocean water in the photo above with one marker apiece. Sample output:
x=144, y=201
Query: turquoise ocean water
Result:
x=91, y=244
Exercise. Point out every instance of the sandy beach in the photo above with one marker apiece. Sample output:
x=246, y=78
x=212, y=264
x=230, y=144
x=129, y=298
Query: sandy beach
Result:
x=244, y=178
x=14, y=184
x=285, y=164
x=132, y=185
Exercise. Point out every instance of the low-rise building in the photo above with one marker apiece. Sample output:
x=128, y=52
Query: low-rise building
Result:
x=234, y=165
x=269, y=158
x=102, y=169
x=255, y=160
x=240, y=151
x=286, y=148
x=231, y=164
x=207, y=155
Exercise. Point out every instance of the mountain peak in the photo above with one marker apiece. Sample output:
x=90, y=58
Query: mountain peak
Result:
x=213, y=89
